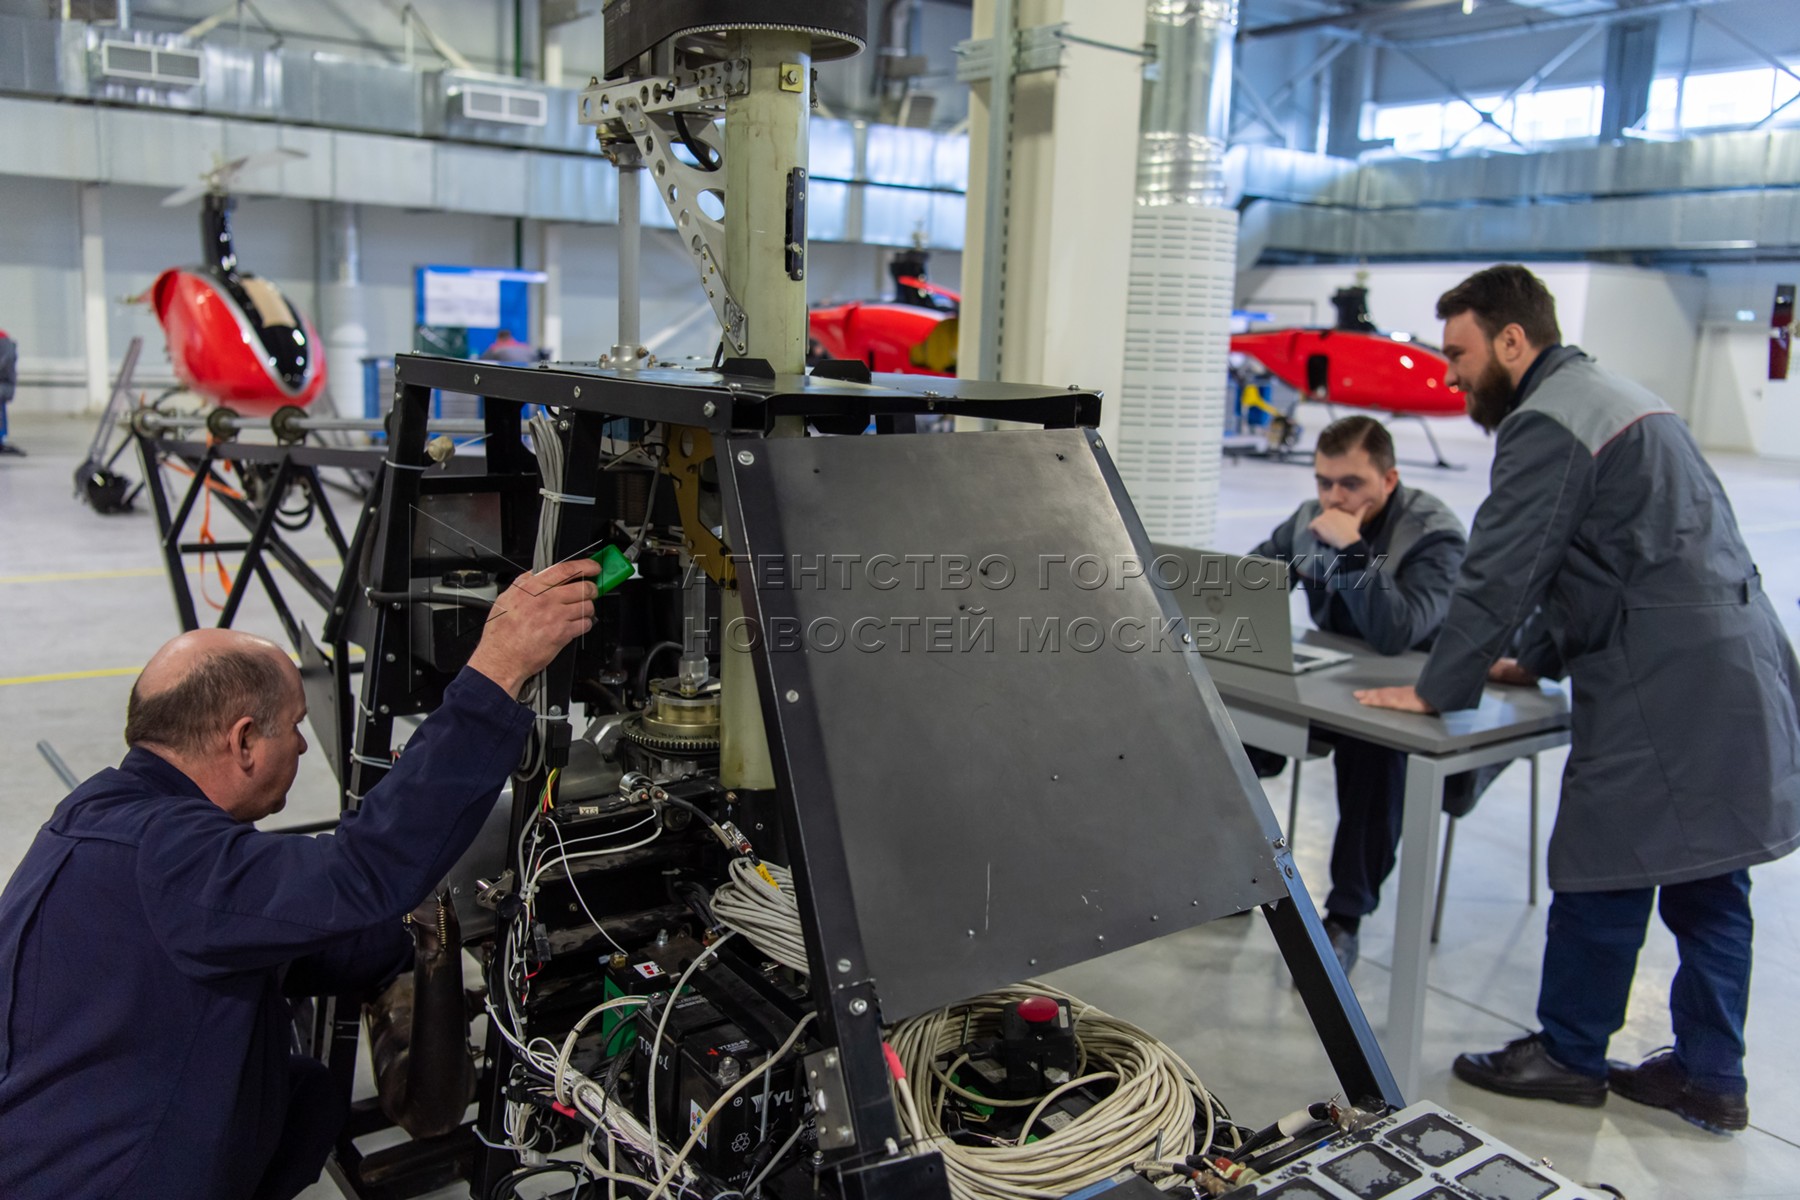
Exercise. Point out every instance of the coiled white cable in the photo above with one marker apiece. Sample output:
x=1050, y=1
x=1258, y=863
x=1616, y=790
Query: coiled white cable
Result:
x=758, y=901
x=1149, y=1114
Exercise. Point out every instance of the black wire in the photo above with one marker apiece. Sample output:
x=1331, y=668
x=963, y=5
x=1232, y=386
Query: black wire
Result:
x=650, y=657
x=507, y=1187
x=466, y=599
x=704, y=156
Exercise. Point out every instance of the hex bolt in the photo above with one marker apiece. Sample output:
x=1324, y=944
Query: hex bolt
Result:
x=745, y=458
x=1281, y=843
x=578, y=393
x=477, y=379
x=389, y=657
x=709, y=408
x=384, y=710
x=858, y=1007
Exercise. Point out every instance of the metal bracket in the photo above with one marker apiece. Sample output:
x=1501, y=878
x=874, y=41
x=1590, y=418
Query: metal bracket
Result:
x=650, y=116
x=704, y=87
x=1039, y=48
x=830, y=1100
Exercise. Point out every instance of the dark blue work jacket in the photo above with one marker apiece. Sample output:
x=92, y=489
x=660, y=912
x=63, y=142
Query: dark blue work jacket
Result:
x=148, y=942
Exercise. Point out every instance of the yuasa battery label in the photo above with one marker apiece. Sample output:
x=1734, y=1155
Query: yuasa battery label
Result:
x=648, y=970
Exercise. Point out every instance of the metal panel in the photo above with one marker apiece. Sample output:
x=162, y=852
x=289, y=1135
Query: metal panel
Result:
x=240, y=82
x=50, y=141
x=30, y=52
x=382, y=170
x=472, y=179
x=561, y=188
x=1006, y=810
x=157, y=149
x=362, y=95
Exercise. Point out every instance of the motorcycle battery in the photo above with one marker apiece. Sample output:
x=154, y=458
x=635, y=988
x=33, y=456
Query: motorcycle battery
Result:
x=711, y=1062
x=693, y=1014
x=640, y=977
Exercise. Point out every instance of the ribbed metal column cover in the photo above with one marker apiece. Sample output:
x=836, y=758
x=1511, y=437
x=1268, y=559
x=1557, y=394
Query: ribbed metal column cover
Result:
x=1183, y=273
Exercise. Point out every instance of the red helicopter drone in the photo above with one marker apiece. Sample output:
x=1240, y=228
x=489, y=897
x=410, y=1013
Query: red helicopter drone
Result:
x=913, y=334
x=1354, y=365
x=234, y=339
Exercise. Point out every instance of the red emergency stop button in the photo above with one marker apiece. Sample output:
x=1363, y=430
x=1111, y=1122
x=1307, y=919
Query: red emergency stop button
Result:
x=1039, y=1010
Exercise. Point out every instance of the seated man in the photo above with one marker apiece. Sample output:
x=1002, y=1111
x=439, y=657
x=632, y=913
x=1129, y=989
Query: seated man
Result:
x=1378, y=562
x=150, y=937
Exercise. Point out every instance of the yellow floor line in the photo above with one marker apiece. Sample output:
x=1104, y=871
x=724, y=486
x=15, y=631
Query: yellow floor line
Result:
x=63, y=676
x=128, y=573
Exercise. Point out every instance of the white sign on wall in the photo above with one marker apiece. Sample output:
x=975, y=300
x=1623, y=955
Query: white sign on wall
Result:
x=471, y=301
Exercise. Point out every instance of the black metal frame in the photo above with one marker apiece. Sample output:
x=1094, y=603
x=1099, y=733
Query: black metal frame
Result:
x=746, y=401
x=264, y=540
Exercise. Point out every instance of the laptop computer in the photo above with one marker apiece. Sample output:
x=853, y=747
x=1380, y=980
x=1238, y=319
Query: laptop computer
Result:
x=1237, y=608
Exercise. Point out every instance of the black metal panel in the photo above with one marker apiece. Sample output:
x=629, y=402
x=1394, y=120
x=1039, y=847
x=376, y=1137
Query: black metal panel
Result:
x=720, y=402
x=1002, y=809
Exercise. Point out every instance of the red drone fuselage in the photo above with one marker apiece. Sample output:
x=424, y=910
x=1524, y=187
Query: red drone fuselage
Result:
x=1357, y=370
x=233, y=337
x=879, y=333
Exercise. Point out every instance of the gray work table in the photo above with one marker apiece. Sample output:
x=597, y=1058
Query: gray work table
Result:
x=1280, y=713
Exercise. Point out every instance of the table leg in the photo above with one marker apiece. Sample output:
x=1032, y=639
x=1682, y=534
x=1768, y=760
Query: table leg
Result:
x=1412, y=919
x=1533, y=760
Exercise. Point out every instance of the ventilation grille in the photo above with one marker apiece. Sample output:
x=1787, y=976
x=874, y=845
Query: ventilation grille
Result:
x=163, y=66
x=506, y=106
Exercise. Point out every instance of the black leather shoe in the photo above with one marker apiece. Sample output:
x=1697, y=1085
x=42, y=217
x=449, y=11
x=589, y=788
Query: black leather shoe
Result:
x=1524, y=1068
x=1660, y=1082
x=1343, y=943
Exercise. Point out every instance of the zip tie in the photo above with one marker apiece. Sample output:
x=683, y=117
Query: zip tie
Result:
x=406, y=466
x=365, y=760
x=564, y=497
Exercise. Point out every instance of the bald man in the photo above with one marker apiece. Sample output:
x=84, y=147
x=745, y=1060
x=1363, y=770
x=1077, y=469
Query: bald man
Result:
x=151, y=937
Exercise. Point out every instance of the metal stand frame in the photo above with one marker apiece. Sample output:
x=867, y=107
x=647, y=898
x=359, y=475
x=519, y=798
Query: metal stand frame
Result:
x=745, y=402
x=263, y=540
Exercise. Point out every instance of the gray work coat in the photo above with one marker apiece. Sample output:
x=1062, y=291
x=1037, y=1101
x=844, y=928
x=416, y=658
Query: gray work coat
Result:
x=1608, y=540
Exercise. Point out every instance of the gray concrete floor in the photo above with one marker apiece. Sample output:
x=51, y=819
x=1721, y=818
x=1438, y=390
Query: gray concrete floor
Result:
x=83, y=602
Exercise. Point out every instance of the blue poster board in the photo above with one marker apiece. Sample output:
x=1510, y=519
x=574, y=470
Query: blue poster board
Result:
x=482, y=300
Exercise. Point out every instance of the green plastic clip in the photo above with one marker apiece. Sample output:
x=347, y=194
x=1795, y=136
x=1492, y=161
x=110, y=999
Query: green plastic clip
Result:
x=615, y=568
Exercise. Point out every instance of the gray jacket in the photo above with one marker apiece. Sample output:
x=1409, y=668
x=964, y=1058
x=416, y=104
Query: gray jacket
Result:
x=1392, y=588
x=1607, y=539
x=9, y=367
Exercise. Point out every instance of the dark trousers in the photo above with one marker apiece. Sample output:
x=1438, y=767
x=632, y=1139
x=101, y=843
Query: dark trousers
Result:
x=1371, y=793
x=316, y=1113
x=1591, y=956
x=1371, y=796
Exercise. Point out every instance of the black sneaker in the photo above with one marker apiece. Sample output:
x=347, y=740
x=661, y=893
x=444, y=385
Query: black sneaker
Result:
x=1344, y=944
x=9, y=448
x=1524, y=1068
x=1660, y=1082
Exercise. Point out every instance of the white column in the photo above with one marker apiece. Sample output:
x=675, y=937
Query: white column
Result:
x=341, y=315
x=93, y=300
x=550, y=327
x=1068, y=223
x=552, y=57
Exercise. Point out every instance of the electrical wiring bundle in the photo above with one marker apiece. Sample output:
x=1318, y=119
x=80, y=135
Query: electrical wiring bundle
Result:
x=1098, y=1095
